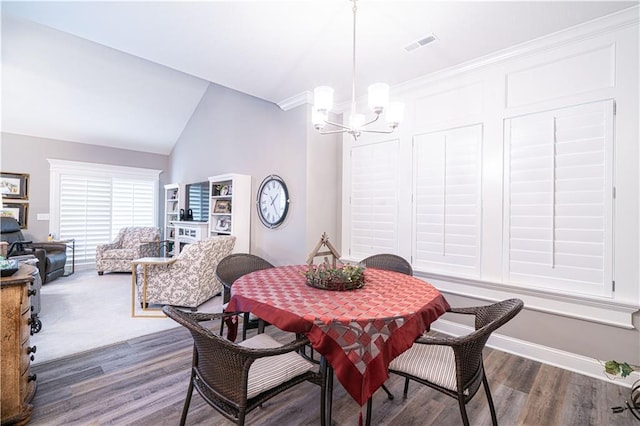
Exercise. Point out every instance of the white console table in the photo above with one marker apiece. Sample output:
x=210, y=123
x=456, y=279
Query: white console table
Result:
x=187, y=232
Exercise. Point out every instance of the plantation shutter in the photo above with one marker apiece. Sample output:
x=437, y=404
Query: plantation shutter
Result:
x=447, y=201
x=374, y=199
x=559, y=188
x=85, y=213
x=133, y=204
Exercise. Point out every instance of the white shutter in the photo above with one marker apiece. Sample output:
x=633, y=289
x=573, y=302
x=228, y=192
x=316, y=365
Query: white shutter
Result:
x=558, y=212
x=374, y=199
x=85, y=213
x=133, y=204
x=447, y=219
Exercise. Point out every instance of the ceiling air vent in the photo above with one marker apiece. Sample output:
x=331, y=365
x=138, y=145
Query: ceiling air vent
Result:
x=419, y=43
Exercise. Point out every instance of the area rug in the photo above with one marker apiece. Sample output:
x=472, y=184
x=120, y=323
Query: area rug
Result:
x=85, y=311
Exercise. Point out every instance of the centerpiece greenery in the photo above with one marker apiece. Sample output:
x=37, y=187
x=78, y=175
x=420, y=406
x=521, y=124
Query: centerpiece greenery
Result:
x=323, y=276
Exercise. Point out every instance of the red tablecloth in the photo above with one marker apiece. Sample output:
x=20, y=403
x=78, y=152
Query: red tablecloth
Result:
x=359, y=332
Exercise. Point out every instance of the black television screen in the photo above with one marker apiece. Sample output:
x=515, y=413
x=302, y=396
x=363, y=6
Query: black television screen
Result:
x=197, y=202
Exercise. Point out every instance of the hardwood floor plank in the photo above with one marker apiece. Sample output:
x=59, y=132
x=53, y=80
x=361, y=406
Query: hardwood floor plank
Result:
x=144, y=381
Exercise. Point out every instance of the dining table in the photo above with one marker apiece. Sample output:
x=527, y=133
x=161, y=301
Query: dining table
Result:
x=359, y=332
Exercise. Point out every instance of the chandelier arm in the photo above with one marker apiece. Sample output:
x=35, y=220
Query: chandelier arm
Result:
x=386, y=132
x=371, y=121
x=342, y=126
x=330, y=132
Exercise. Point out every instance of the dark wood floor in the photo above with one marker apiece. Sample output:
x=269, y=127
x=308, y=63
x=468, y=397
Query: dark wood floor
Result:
x=143, y=381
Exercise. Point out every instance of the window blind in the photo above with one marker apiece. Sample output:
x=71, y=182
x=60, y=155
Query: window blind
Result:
x=374, y=199
x=558, y=227
x=85, y=213
x=447, y=201
x=132, y=205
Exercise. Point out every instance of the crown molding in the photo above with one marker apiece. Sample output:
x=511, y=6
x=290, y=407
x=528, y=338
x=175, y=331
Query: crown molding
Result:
x=296, y=100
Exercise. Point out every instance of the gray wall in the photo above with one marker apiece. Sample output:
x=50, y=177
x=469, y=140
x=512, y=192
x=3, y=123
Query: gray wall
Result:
x=26, y=154
x=231, y=132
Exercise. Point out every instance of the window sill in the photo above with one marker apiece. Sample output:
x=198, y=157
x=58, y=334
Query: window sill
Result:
x=602, y=311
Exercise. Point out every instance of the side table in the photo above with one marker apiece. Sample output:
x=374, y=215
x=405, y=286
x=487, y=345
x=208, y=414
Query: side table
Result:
x=145, y=261
x=68, y=241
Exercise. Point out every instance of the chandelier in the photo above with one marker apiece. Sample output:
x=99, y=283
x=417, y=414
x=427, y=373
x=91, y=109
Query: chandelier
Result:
x=378, y=102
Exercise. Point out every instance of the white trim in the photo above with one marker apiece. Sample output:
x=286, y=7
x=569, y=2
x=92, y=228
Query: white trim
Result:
x=97, y=169
x=592, y=309
x=304, y=98
x=615, y=21
x=544, y=354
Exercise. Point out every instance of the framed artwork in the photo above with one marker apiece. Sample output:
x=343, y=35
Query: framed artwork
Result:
x=222, y=206
x=18, y=211
x=14, y=185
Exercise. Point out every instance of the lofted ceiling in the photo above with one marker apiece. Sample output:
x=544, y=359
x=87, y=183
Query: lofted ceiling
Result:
x=130, y=74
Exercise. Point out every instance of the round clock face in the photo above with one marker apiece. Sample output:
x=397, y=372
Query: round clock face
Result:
x=273, y=201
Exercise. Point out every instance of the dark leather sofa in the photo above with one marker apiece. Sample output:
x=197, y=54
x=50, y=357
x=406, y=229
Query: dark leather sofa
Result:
x=51, y=256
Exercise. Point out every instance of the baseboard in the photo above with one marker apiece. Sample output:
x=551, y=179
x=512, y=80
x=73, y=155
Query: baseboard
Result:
x=544, y=354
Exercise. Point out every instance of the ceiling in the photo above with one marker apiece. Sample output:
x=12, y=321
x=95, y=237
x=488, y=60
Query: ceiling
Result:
x=130, y=74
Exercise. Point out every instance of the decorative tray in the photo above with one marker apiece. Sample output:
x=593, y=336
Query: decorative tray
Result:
x=348, y=277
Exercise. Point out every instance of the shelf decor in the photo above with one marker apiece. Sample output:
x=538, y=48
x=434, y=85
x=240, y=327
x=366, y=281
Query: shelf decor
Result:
x=323, y=276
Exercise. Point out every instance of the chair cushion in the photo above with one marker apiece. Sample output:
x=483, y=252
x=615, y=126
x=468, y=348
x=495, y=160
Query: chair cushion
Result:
x=433, y=363
x=268, y=372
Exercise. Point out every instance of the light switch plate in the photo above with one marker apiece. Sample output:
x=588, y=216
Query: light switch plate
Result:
x=42, y=216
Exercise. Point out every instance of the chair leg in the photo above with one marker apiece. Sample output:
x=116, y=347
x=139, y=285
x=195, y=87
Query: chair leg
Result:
x=323, y=393
x=369, y=404
x=245, y=321
x=494, y=418
x=389, y=394
x=406, y=386
x=187, y=401
x=463, y=410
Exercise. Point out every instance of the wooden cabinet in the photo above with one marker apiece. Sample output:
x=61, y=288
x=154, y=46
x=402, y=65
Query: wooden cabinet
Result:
x=230, y=208
x=172, y=206
x=18, y=384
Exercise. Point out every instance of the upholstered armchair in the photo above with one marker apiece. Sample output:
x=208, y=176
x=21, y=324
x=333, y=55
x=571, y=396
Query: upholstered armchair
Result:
x=52, y=256
x=131, y=243
x=190, y=279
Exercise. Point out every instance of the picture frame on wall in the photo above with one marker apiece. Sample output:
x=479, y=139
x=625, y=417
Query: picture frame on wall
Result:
x=18, y=211
x=14, y=186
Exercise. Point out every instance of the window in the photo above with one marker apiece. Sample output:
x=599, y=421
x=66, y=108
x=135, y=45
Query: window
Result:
x=92, y=202
x=374, y=199
x=558, y=211
x=447, y=201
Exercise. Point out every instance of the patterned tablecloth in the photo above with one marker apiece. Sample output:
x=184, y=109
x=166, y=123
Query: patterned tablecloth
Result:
x=359, y=332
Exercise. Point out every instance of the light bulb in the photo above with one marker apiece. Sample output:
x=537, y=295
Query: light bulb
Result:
x=394, y=114
x=323, y=98
x=378, y=97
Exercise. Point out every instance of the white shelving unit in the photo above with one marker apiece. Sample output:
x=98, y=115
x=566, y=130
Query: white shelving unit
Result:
x=230, y=208
x=172, y=206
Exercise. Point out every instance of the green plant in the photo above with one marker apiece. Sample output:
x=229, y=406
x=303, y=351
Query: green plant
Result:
x=621, y=369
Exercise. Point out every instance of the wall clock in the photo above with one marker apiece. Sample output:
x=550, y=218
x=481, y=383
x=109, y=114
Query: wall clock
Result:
x=272, y=201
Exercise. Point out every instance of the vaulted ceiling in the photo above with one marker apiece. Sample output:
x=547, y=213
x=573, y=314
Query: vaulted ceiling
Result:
x=130, y=74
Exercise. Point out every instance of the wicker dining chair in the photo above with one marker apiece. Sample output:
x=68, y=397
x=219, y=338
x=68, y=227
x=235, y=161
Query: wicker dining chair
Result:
x=237, y=378
x=389, y=262
x=453, y=365
x=228, y=271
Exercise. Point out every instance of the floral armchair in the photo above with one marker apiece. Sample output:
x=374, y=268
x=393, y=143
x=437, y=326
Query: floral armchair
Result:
x=188, y=281
x=132, y=242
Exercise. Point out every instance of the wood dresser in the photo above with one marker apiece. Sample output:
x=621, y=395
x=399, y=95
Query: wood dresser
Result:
x=18, y=384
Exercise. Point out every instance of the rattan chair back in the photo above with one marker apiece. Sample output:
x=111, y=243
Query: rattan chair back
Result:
x=220, y=368
x=389, y=262
x=236, y=265
x=467, y=350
